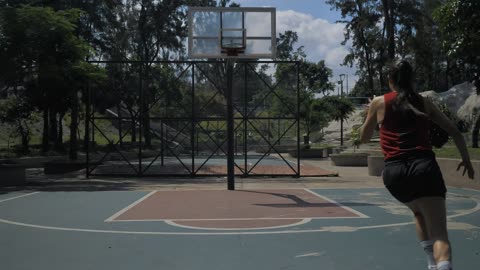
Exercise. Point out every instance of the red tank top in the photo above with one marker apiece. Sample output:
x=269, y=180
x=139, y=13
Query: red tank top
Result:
x=402, y=135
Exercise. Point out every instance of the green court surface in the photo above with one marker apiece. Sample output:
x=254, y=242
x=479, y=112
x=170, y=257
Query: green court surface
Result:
x=340, y=229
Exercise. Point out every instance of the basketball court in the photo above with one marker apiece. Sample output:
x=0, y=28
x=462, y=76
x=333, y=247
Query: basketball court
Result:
x=305, y=228
x=329, y=223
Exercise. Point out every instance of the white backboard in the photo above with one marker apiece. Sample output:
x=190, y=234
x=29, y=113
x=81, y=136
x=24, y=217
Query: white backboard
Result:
x=205, y=25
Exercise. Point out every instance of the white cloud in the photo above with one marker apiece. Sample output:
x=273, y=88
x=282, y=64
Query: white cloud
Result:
x=321, y=40
x=318, y=36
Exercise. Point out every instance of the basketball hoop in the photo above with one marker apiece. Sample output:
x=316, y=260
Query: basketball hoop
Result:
x=233, y=49
x=232, y=41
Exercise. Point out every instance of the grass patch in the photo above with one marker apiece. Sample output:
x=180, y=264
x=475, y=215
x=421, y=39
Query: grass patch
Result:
x=452, y=152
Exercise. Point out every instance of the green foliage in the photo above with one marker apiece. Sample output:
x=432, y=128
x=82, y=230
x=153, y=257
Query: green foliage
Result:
x=43, y=55
x=458, y=22
x=285, y=46
x=355, y=137
x=380, y=31
x=18, y=113
x=452, y=152
x=44, y=41
x=341, y=107
x=362, y=19
x=315, y=77
x=320, y=113
x=13, y=108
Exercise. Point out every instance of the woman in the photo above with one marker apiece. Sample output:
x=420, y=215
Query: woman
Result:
x=411, y=172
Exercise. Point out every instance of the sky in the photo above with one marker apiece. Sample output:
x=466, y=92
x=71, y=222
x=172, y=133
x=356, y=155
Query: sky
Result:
x=317, y=31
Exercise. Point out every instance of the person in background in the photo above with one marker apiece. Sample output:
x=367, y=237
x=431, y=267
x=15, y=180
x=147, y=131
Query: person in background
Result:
x=411, y=172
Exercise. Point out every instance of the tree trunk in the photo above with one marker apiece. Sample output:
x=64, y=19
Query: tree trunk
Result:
x=366, y=50
x=475, y=131
x=447, y=74
x=383, y=85
x=53, y=132
x=120, y=131
x=45, y=138
x=134, y=127
x=369, y=70
x=25, y=134
x=74, y=127
x=390, y=26
x=59, y=142
x=146, y=129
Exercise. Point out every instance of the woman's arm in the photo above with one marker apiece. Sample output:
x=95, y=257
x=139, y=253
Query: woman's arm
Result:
x=366, y=130
x=440, y=119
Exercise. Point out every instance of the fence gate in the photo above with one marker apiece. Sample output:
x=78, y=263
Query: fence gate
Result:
x=168, y=118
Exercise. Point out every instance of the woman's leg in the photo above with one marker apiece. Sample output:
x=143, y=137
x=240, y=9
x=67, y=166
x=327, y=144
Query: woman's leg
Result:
x=422, y=234
x=420, y=227
x=433, y=211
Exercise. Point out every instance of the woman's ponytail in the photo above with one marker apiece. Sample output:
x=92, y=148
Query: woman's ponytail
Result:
x=402, y=77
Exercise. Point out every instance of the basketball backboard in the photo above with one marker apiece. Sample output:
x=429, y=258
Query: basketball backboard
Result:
x=214, y=31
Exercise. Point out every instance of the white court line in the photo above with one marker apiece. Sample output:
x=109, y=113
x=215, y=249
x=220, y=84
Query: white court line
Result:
x=226, y=219
x=361, y=215
x=470, y=189
x=20, y=196
x=119, y=213
x=173, y=223
x=321, y=229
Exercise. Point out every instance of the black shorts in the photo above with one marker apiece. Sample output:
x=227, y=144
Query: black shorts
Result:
x=414, y=176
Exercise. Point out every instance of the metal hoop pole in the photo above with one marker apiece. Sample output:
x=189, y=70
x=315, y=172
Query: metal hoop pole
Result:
x=230, y=126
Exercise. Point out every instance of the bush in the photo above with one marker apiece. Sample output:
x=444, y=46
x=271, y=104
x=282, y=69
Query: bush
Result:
x=355, y=137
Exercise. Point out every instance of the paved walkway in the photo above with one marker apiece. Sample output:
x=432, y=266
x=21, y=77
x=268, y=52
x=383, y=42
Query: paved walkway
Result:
x=347, y=177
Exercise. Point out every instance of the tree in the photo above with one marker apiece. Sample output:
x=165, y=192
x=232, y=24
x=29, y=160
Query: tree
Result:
x=362, y=29
x=282, y=102
x=17, y=111
x=458, y=23
x=341, y=109
x=41, y=48
x=321, y=113
x=77, y=76
x=381, y=31
x=314, y=79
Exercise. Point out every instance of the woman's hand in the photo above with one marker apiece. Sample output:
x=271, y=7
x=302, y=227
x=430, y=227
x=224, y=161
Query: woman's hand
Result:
x=467, y=168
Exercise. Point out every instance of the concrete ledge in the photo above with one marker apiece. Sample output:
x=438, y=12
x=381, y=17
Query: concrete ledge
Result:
x=330, y=150
x=308, y=153
x=284, y=148
x=31, y=162
x=375, y=165
x=12, y=175
x=66, y=166
x=350, y=159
